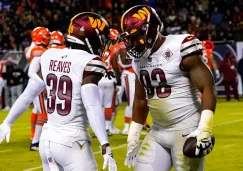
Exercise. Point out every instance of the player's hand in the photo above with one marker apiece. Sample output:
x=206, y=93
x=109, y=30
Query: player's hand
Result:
x=108, y=158
x=5, y=131
x=132, y=150
x=204, y=142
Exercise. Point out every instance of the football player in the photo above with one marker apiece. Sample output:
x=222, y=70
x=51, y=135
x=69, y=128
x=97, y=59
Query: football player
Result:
x=40, y=40
x=57, y=40
x=208, y=47
x=36, y=108
x=107, y=86
x=170, y=73
x=70, y=77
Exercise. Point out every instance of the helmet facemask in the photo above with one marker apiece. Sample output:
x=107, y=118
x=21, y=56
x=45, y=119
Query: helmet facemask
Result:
x=141, y=27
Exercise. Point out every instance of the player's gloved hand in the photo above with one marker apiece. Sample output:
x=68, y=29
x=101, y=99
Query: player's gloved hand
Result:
x=5, y=130
x=132, y=150
x=217, y=74
x=133, y=143
x=108, y=158
x=119, y=92
x=203, y=134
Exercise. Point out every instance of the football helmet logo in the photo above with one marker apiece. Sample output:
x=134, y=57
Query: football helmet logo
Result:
x=140, y=26
x=89, y=29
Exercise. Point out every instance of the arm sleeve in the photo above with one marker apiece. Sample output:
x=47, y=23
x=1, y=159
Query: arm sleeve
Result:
x=191, y=46
x=95, y=113
x=34, y=66
x=95, y=67
x=34, y=88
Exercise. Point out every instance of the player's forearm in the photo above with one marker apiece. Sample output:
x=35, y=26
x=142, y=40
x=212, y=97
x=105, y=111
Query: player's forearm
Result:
x=209, y=98
x=140, y=111
x=92, y=104
x=33, y=89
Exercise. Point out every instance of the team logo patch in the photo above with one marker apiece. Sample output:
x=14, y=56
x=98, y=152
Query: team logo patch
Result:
x=167, y=54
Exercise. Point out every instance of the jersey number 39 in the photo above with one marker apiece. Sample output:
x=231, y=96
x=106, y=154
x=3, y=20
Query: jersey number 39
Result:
x=62, y=89
x=162, y=89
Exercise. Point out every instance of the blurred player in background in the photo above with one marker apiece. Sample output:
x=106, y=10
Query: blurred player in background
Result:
x=56, y=40
x=117, y=98
x=40, y=40
x=70, y=77
x=2, y=71
x=208, y=47
x=108, y=84
x=170, y=73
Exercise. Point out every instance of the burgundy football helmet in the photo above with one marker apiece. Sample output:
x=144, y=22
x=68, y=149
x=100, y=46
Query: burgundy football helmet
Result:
x=89, y=29
x=140, y=26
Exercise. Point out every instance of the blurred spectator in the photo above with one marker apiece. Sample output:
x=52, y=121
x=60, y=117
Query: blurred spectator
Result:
x=214, y=19
x=15, y=81
x=228, y=67
x=240, y=70
x=2, y=71
x=9, y=68
x=15, y=78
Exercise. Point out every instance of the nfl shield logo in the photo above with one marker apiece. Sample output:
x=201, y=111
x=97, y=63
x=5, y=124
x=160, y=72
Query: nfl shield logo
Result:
x=167, y=54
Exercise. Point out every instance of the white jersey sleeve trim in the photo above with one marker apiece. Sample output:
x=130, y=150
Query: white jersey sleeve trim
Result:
x=96, y=65
x=190, y=46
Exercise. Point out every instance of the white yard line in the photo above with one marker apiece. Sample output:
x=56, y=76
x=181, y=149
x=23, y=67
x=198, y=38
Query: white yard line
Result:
x=228, y=146
x=16, y=129
x=7, y=150
x=124, y=145
x=33, y=168
x=237, y=113
x=229, y=122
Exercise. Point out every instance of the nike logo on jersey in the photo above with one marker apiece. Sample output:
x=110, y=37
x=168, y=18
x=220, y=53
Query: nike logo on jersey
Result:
x=64, y=56
x=184, y=135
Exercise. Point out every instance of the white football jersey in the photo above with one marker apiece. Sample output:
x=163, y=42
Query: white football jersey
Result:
x=63, y=71
x=171, y=95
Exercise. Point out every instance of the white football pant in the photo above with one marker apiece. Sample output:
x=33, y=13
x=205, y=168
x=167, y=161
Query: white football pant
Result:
x=106, y=91
x=56, y=156
x=162, y=149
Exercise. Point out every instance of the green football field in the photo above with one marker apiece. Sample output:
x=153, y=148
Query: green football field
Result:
x=226, y=156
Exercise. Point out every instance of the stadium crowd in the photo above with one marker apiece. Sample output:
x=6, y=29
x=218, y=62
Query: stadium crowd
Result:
x=214, y=19
x=208, y=20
